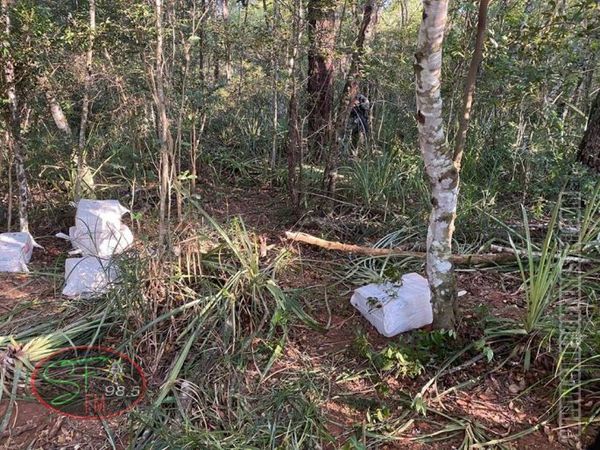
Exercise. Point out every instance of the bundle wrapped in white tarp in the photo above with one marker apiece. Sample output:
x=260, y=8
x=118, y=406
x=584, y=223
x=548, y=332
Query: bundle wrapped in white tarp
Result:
x=15, y=251
x=98, y=229
x=97, y=216
x=88, y=276
x=103, y=244
x=394, y=308
x=98, y=235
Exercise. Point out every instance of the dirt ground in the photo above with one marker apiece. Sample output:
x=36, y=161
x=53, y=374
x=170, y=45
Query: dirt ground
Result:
x=499, y=401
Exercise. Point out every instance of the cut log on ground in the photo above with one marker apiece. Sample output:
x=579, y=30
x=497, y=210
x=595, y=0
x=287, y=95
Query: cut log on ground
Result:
x=463, y=260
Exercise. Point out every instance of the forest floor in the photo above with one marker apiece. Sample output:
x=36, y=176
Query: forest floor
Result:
x=498, y=399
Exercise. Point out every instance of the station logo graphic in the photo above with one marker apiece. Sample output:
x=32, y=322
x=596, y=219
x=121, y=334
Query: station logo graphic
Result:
x=88, y=382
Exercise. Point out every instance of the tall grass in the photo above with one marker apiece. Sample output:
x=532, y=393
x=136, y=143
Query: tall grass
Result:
x=229, y=314
x=541, y=272
x=391, y=179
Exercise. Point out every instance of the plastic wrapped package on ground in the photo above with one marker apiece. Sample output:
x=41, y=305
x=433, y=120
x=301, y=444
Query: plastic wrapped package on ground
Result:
x=94, y=216
x=15, y=251
x=98, y=235
x=98, y=229
x=394, y=308
x=88, y=276
x=103, y=243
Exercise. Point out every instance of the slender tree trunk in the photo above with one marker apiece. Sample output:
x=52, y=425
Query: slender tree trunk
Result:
x=164, y=134
x=193, y=153
x=58, y=115
x=294, y=138
x=403, y=12
x=223, y=13
x=59, y=118
x=62, y=123
x=84, y=181
x=9, y=206
x=275, y=112
x=589, y=149
x=293, y=150
x=227, y=40
x=275, y=79
x=15, y=143
x=179, y=136
x=439, y=162
x=321, y=37
x=202, y=39
x=196, y=147
x=5, y=145
x=336, y=135
x=463, y=124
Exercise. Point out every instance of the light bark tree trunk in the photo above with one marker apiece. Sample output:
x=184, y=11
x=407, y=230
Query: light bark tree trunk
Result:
x=275, y=80
x=294, y=136
x=15, y=143
x=79, y=176
x=442, y=164
x=164, y=134
x=58, y=115
x=84, y=181
x=186, y=47
x=439, y=163
x=196, y=146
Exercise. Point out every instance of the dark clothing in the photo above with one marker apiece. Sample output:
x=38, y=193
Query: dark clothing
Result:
x=359, y=118
x=359, y=115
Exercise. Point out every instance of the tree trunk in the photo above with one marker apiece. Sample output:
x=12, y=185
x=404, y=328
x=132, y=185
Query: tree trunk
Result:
x=336, y=135
x=222, y=10
x=293, y=151
x=589, y=149
x=439, y=162
x=275, y=80
x=463, y=124
x=196, y=148
x=15, y=144
x=58, y=115
x=164, y=134
x=321, y=38
x=186, y=47
x=62, y=123
x=84, y=181
x=294, y=137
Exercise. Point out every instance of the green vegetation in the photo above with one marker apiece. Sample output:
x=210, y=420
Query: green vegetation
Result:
x=247, y=339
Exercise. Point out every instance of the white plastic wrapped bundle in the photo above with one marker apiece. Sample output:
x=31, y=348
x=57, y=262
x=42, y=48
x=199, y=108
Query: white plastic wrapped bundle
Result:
x=95, y=216
x=98, y=229
x=88, y=276
x=395, y=308
x=15, y=251
x=101, y=243
x=98, y=235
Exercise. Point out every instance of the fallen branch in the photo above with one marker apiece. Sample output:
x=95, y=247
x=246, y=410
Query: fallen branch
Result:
x=371, y=251
x=524, y=254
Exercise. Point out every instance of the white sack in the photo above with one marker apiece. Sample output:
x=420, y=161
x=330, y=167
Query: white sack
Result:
x=395, y=308
x=101, y=243
x=88, y=276
x=15, y=251
x=95, y=216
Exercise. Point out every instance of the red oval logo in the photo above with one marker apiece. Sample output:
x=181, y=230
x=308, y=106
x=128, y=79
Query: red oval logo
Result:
x=88, y=382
